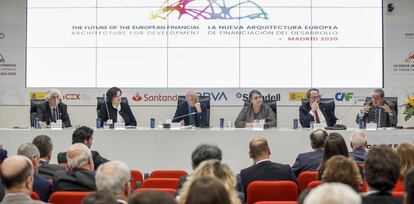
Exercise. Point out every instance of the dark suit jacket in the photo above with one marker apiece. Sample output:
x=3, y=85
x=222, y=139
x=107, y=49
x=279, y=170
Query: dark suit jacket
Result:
x=266, y=171
x=76, y=180
x=358, y=155
x=3, y=155
x=386, y=120
x=1, y=190
x=327, y=110
x=45, y=114
x=42, y=187
x=47, y=171
x=97, y=159
x=308, y=161
x=125, y=112
x=379, y=198
x=200, y=118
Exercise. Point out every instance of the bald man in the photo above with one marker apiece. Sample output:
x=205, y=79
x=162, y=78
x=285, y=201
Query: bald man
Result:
x=263, y=169
x=81, y=177
x=192, y=111
x=17, y=177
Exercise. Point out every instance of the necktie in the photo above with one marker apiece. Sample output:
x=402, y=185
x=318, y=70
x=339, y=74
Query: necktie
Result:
x=54, y=114
x=317, y=117
x=377, y=118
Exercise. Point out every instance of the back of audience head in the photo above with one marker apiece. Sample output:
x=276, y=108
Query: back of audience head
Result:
x=382, y=168
x=114, y=177
x=83, y=135
x=45, y=146
x=79, y=156
x=409, y=186
x=358, y=140
x=213, y=168
x=343, y=170
x=99, y=197
x=151, y=197
x=334, y=145
x=205, y=152
x=318, y=138
x=259, y=149
x=30, y=151
x=333, y=193
x=207, y=190
x=406, y=153
x=17, y=174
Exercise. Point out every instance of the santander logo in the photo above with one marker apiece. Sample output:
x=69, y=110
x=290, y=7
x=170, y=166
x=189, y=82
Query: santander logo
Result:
x=137, y=97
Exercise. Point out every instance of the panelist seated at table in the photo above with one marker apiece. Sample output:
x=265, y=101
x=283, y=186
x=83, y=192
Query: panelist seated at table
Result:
x=192, y=111
x=255, y=110
x=379, y=111
x=314, y=111
x=53, y=110
x=114, y=109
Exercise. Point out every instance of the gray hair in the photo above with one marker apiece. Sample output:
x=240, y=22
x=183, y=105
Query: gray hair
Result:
x=358, y=140
x=53, y=92
x=380, y=91
x=333, y=193
x=77, y=154
x=28, y=150
x=112, y=177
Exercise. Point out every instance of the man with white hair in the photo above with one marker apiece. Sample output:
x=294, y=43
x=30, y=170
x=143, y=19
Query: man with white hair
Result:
x=40, y=185
x=358, y=145
x=114, y=177
x=17, y=177
x=81, y=176
x=333, y=193
x=53, y=110
x=192, y=111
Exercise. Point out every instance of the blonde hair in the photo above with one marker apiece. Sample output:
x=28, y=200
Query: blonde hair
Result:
x=405, y=151
x=213, y=168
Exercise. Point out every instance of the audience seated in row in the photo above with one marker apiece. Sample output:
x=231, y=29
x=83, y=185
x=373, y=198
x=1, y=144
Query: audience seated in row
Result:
x=358, y=144
x=339, y=169
x=334, y=145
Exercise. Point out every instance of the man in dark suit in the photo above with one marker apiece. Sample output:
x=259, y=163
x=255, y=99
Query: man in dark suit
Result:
x=45, y=146
x=310, y=161
x=83, y=135
x=379, y=111
x=358, y=144
x=314, y=110
x=40, y=185
x=81, y=177
x=263, y=169
x=382, y=170
x=17, y=177
x=192, y=111
x=53, y=110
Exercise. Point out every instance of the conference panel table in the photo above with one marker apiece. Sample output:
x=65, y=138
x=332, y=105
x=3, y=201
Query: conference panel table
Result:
x=149, y=149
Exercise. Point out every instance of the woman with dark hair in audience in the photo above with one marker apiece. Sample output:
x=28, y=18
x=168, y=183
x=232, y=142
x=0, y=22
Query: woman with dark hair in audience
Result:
x=255, y=110
x=118, y=111
x=343, y=170
x=334, y=145
x=207, y=190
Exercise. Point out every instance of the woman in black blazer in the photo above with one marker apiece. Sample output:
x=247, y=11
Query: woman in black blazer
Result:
x=118, y=111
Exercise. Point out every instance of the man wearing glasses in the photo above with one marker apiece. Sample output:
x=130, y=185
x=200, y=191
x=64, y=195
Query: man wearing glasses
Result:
x=53, y=110
x=379, y=111
x=315, y=111
x=192, y=111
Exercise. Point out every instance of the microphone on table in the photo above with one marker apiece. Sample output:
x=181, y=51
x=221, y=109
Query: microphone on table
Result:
x=193, y=113
x=109, y=121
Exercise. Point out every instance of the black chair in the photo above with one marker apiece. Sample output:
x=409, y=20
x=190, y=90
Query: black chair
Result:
x=101, y=101
x=393, y=100
x=34, y=104
x=205, y=99
x=271, y=103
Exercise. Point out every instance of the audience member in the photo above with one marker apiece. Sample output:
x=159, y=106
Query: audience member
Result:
x=333, y=193
x=334, y=145
x=99, y=197
x=151, y=197
x=343, y=170
x=207, y=190
x=406, y=153
x=45, y=146
x=114, y=177
x=358, y=144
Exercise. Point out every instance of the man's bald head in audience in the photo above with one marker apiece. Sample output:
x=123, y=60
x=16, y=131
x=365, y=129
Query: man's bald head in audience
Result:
x=17, y=174
x=79, y=156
